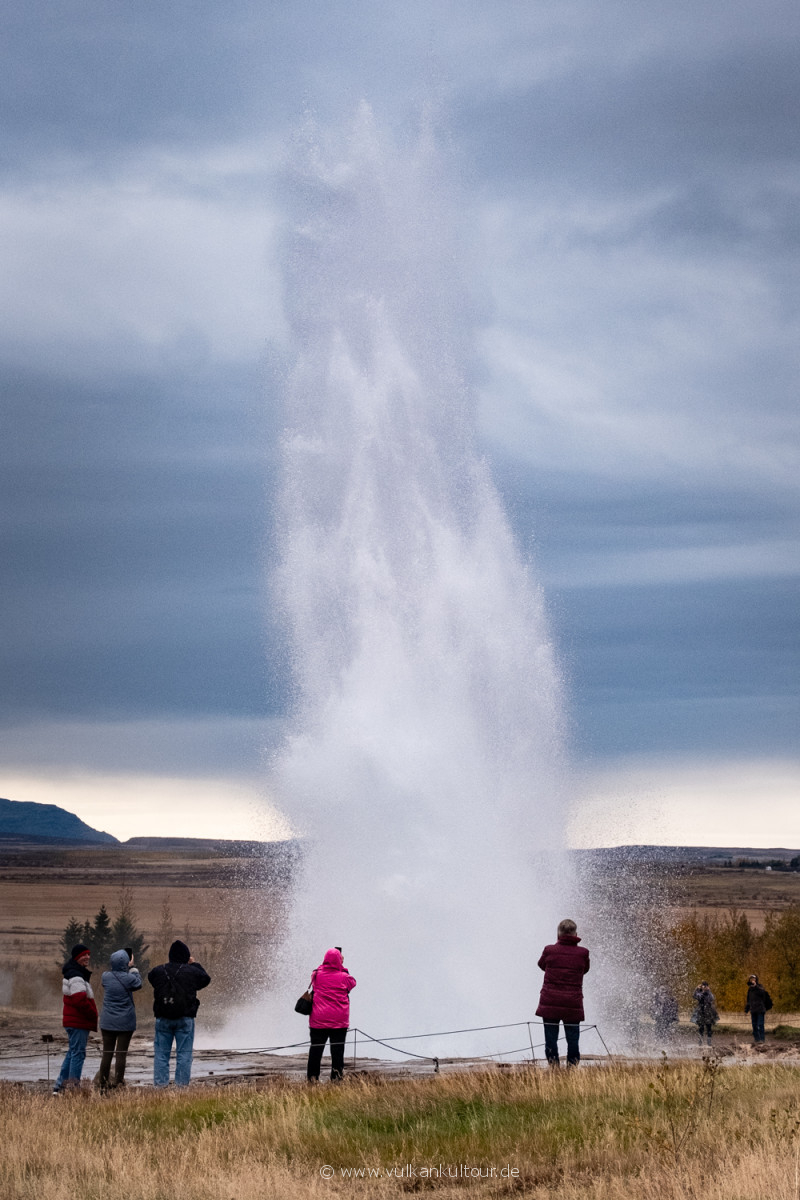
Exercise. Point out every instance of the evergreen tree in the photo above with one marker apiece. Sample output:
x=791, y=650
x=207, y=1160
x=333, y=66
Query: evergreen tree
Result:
x=100, y=939
x=103, y=936
x=165, y=934
x=73, y=934
x=124, y=933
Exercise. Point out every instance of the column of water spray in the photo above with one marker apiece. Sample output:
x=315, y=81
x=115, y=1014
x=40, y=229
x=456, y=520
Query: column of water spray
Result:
x=424, y=761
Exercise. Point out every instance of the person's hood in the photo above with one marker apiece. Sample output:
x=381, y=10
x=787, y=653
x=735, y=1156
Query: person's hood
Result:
x=71, y=969
x=119, y=960
x=179, y=952
x=568, y=939
x=333, y=959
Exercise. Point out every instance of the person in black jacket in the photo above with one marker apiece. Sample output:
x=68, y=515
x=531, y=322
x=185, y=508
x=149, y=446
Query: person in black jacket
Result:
x=758, y=1003
x=175, y=1006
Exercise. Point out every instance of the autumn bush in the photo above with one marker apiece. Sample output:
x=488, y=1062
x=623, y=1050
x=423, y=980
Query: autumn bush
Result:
x=726, y=949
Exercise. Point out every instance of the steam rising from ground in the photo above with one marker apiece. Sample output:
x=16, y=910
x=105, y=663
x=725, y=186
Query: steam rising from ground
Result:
x=424, y=765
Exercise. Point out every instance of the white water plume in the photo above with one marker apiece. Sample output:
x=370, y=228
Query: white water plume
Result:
x=424, y=763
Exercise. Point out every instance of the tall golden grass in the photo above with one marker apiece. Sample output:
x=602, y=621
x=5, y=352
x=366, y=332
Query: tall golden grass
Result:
x=623, y=1132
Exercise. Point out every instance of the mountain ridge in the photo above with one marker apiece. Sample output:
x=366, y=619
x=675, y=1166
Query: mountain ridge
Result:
x=26, y=818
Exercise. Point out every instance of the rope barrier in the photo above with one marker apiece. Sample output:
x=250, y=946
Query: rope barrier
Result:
x=404, y=1037
x=385, y=1042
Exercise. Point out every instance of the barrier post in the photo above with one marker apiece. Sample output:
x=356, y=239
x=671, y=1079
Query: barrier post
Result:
x=47, y=1038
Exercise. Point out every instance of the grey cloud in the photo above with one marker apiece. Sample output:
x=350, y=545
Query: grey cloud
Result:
x=89, y=78
x=196, y=746
x=133, y=531
x=135, y=474
x=680, y=668
x=573, y=515
x=659, y=119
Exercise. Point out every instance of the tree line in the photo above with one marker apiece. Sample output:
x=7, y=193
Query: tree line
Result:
x=726, y=949
x=103, y=936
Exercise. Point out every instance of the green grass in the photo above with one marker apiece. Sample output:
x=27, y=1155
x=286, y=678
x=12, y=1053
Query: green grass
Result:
x=659, y=1131
x=786, y=1033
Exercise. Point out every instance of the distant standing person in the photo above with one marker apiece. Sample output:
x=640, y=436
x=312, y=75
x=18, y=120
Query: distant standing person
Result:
x=758, y=1004
x=564, y=964
x=175, y=1006
x=705, y=1013
x=80, y=1015
x=117, y=1016
x=664, y=1011
x=330, y=1014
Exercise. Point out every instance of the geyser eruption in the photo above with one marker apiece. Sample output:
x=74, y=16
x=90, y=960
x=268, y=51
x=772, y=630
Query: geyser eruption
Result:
x=423, y=763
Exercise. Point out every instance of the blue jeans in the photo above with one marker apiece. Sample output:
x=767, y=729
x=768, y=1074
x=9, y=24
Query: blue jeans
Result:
x=181, y=1031
x=757, y=1020
x=572, y=1034
x=72, y=1065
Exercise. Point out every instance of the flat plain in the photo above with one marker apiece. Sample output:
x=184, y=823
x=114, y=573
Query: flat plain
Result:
x=206, y=893
x=209, y=895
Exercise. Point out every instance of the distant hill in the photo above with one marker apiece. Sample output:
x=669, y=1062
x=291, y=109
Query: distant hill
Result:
x=235, y=847
x=712, y=856
x=21, y=819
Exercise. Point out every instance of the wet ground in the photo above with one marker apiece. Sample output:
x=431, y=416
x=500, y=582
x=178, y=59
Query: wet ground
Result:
x=26, y=1058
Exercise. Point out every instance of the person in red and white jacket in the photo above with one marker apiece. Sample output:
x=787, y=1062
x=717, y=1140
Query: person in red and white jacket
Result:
x=80, y=1015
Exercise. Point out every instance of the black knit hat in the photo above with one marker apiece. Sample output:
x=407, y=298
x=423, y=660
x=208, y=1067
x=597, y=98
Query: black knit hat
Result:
x=78, y=950
x=179, y=952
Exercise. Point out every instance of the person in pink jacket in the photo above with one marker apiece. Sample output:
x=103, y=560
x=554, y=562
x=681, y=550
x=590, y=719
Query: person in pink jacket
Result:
x=330, y=1013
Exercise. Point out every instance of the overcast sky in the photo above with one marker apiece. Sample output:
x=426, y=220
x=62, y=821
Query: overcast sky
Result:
x=630, y=181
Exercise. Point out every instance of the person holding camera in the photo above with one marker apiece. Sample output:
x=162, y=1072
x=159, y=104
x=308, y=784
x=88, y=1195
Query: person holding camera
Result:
x=117, y=1016
x=330, y=1014
x=175, y=1004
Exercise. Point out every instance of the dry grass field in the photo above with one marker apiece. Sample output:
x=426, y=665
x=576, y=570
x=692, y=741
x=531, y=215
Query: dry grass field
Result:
x=40, y=889
x=721, y=889
x=660, y=1132
x=212, y=901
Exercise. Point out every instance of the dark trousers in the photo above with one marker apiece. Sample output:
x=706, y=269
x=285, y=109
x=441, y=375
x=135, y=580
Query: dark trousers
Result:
x=757, y=1020
x=114, y=1040
x=572, y=1034
x=318, y=1039
x=704, y=1028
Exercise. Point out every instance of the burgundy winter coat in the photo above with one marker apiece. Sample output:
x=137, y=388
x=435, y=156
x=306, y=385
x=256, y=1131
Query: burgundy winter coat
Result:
x=564, y=966
x=332, y=986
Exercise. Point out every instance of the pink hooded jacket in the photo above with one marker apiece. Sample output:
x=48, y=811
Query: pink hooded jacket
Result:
x=332, y=987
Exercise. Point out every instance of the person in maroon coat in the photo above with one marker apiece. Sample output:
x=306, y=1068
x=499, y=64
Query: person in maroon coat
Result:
x=561, y=999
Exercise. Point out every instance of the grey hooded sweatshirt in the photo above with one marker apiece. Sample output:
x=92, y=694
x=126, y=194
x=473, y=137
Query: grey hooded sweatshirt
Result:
x=118, y=1013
